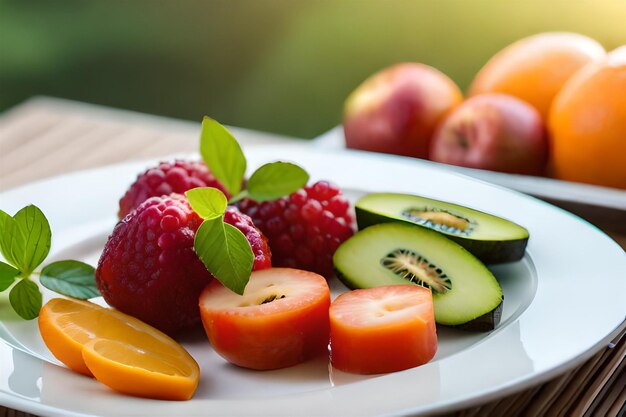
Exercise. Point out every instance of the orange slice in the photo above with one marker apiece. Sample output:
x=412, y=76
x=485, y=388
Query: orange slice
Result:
x=63, y=325
x=120, y=351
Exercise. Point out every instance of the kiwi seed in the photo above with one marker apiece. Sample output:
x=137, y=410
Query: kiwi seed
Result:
x=415, y=268
x=439, y=219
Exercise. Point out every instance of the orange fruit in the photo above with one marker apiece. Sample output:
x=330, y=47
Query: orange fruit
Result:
x=588, y=124
x=62, y=329
x=120, y=351
x=535, y=68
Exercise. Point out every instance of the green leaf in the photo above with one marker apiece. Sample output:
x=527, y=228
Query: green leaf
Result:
x=222, y=154
x=7, y=275
x=26, y=238
x=276, y=179
x=10, y=246
x=25, y=299
x=73, y=278
x=225, y=252
x=208, y=202
x=35, y=229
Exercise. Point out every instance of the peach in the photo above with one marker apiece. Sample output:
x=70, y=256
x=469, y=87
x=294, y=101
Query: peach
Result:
x=535, y=68
x=397, y=110
x=497, y=132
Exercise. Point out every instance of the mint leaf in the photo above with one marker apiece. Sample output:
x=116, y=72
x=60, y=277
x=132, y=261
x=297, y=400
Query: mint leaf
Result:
x=73, y=278
x=276, y=179
x=222, y=154
x=225, y=252
x=207, y=202
x=25, y=299
x=35, y=230
x=11, y=245
x=26, y=238
x=7, y=275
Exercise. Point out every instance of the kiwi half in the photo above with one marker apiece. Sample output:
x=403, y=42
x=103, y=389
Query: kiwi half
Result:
x=465, y=292
x=490, y=238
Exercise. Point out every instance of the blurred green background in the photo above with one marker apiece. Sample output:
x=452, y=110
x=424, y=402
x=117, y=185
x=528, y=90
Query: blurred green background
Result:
x=279, y=66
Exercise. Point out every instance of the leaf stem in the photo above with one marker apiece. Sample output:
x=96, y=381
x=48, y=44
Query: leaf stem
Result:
x=240, y=196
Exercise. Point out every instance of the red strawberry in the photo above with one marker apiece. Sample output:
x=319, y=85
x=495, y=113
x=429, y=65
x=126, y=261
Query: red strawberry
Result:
x=304, y=229
x=149, y=269
x=167, y=178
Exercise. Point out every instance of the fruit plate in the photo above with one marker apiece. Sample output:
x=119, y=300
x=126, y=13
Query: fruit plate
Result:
x=563, y=301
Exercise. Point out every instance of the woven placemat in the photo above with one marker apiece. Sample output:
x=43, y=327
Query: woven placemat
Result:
x=46, y=137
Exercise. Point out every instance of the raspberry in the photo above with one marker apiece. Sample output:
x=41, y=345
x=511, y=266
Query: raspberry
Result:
x=167, y=178
x=305, y=228
x=149, y=269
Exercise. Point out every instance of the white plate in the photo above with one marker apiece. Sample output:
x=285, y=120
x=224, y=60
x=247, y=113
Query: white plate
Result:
x=562, y=302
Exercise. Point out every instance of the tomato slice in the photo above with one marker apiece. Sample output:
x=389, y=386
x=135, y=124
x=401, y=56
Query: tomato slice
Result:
x=279, y=321
x=382, y=329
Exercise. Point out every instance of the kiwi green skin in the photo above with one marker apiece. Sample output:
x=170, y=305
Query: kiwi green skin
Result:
x=486, y=322
x=488, y=251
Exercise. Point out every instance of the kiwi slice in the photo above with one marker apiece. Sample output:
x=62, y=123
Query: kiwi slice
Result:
x=465, y=292
x=490, y=238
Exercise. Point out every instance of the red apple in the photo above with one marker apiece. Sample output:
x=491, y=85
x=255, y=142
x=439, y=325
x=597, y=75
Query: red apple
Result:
x=397, y=110
x=497, y=132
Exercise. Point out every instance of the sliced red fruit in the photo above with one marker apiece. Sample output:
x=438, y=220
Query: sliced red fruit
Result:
x=279, y=321
x=382, y=329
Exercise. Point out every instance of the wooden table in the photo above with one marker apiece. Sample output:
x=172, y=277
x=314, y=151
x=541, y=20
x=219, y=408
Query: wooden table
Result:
x=45, y=137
